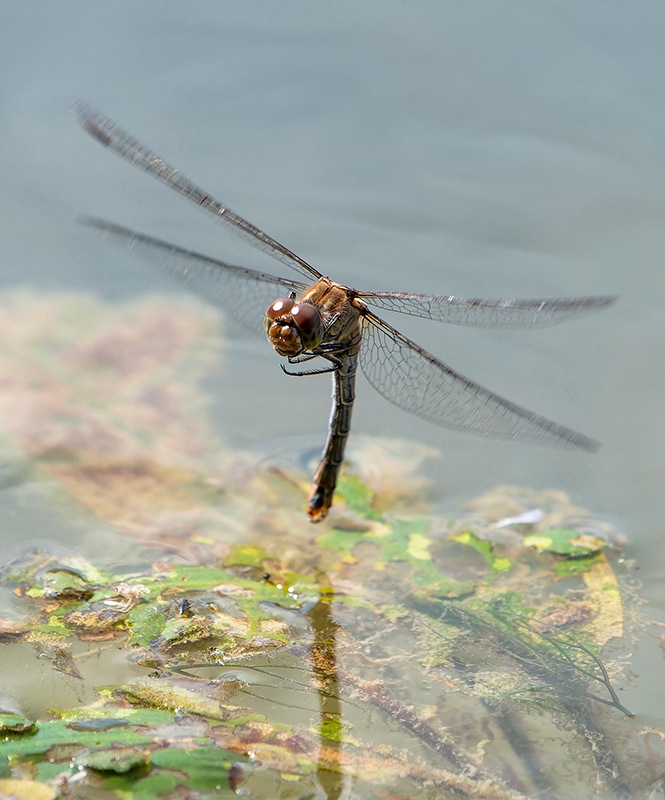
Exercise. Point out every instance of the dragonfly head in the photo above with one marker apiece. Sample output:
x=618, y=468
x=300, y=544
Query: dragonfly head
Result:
x=292, y=328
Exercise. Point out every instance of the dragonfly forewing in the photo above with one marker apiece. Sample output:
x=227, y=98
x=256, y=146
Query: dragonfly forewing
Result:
x=243, y=294
x=112, y=136
x=415, y=380
x=487, y=312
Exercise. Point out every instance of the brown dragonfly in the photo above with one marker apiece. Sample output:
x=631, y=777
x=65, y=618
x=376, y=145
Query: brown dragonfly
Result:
x=321, y=319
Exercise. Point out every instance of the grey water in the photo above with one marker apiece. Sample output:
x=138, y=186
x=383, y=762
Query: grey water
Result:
x=473, y=148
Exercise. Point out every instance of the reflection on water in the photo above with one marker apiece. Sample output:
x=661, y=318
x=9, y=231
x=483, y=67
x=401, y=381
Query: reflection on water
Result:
x=386, y=652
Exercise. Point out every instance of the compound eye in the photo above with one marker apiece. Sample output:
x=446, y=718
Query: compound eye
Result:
x=307, y=318
x=279, y=308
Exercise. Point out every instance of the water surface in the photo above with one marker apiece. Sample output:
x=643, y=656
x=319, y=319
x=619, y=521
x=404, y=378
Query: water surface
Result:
x=469, y=149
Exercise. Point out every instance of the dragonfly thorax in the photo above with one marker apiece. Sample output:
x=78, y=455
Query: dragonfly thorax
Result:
x=292, y=328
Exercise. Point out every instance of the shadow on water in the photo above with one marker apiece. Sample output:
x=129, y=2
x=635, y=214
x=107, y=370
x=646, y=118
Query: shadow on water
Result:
x=324, y=666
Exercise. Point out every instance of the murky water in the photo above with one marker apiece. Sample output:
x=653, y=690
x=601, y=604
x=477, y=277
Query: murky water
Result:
x=466, y=148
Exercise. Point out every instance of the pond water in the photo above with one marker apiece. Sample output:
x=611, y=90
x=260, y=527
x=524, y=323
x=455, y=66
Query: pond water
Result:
x=476, y=149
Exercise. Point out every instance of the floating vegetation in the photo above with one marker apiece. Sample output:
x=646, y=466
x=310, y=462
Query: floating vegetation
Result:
x=388, y=653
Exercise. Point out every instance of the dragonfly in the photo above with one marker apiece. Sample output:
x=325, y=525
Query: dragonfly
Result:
x=336, y=327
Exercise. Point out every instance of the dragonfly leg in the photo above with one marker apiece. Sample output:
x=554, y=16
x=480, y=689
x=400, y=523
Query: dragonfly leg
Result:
x=335, y=365
x=302, y=358
x=331, y=347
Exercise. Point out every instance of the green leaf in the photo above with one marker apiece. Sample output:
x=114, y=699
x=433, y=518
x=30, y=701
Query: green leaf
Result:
x=15, y=723
x=247, y=555
x=565, y=542
x=146, y=622
x=120, y=760
x=205, y=767
x=56, y=733
x=357, y=496
x=497, y=564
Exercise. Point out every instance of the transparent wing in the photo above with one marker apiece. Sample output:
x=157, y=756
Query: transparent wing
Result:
x=415, y=380
x=487, y=313
x=244, y=294
x=121, y=143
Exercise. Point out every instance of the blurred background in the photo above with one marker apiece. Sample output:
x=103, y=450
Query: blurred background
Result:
x=473, y=148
